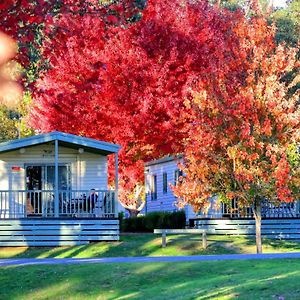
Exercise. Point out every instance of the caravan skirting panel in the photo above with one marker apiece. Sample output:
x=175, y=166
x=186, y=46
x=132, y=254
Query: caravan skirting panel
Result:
x=57, y=232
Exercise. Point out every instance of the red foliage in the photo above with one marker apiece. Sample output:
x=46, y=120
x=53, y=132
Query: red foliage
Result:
x=134, y=84
x=128, y=84
x=240, y=146
x=27, y=21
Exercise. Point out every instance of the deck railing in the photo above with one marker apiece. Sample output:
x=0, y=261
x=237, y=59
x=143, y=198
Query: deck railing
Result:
x=71, y=203
x=269, y=210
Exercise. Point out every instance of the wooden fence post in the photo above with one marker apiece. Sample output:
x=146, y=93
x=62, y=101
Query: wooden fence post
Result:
x=204, y=240
x=163, y=239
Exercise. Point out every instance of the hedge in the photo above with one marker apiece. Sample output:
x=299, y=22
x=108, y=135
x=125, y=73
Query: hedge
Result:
x=161, y=220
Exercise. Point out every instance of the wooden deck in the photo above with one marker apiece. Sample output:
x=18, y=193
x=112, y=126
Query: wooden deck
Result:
x=57, y=232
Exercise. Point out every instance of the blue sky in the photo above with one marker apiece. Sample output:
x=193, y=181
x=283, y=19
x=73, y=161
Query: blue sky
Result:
x=279, y=3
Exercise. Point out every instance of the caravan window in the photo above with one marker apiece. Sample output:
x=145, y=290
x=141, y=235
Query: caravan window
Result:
x=165, y=183
x=41, y=177
x=177, y=174
x=153, y=187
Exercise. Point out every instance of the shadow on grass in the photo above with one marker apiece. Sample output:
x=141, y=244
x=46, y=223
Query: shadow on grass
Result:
x=268, y=279
x=150, y=245
x=131, y=245
x=273, y=245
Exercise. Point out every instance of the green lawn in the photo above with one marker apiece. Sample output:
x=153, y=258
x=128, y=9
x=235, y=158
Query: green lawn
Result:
x=256, y=279
x=150, y=245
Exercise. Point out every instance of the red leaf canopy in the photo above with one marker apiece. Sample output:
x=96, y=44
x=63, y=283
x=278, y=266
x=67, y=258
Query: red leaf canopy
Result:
x=128, y=84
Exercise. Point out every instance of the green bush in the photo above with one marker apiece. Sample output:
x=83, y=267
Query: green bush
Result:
x=121, y=216
x=160, y=220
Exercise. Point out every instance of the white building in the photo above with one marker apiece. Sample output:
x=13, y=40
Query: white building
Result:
x=57, y=180
x=159, y=174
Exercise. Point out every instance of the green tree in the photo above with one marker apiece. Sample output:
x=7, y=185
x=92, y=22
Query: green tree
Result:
x=8, y=122
x=287, y=21
x=13, y=120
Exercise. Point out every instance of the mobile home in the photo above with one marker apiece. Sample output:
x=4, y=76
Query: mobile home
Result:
x=54, y=191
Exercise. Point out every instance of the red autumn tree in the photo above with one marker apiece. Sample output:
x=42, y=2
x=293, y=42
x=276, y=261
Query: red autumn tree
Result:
x=29, y=22
x=127, y=84
x=245, y=133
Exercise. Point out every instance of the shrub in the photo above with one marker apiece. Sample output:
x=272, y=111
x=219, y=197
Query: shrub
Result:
x=121, y=218
x=134, y=224
x=160, y=220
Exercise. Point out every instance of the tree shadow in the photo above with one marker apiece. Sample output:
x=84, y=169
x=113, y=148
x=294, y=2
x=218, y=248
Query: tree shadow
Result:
x=150, y=245
x=131, y=245
x=267, y=279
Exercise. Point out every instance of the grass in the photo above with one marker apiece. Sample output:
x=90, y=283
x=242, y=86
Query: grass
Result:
x=255, y=279
x=150, y=245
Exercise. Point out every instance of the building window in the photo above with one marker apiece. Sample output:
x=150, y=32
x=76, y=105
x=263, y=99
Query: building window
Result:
x=177, y=174
x=165, y=183
x=153, y=187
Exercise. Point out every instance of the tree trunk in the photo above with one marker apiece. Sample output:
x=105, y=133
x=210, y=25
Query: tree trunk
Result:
x=257, y=216
x=137, y=205
x=133, y=212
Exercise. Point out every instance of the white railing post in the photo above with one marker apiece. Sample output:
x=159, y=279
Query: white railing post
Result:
x=100, y=202
x=8, y=204
x=56, y=200
x=116, y=184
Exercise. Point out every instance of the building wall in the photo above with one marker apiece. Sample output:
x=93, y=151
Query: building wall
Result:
x=91, y=171
x=88, y=170
x=164, y=201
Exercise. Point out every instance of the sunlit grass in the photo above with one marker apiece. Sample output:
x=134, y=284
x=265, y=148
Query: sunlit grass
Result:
x=255, y=279
x=150, y=245
x=8, y=252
